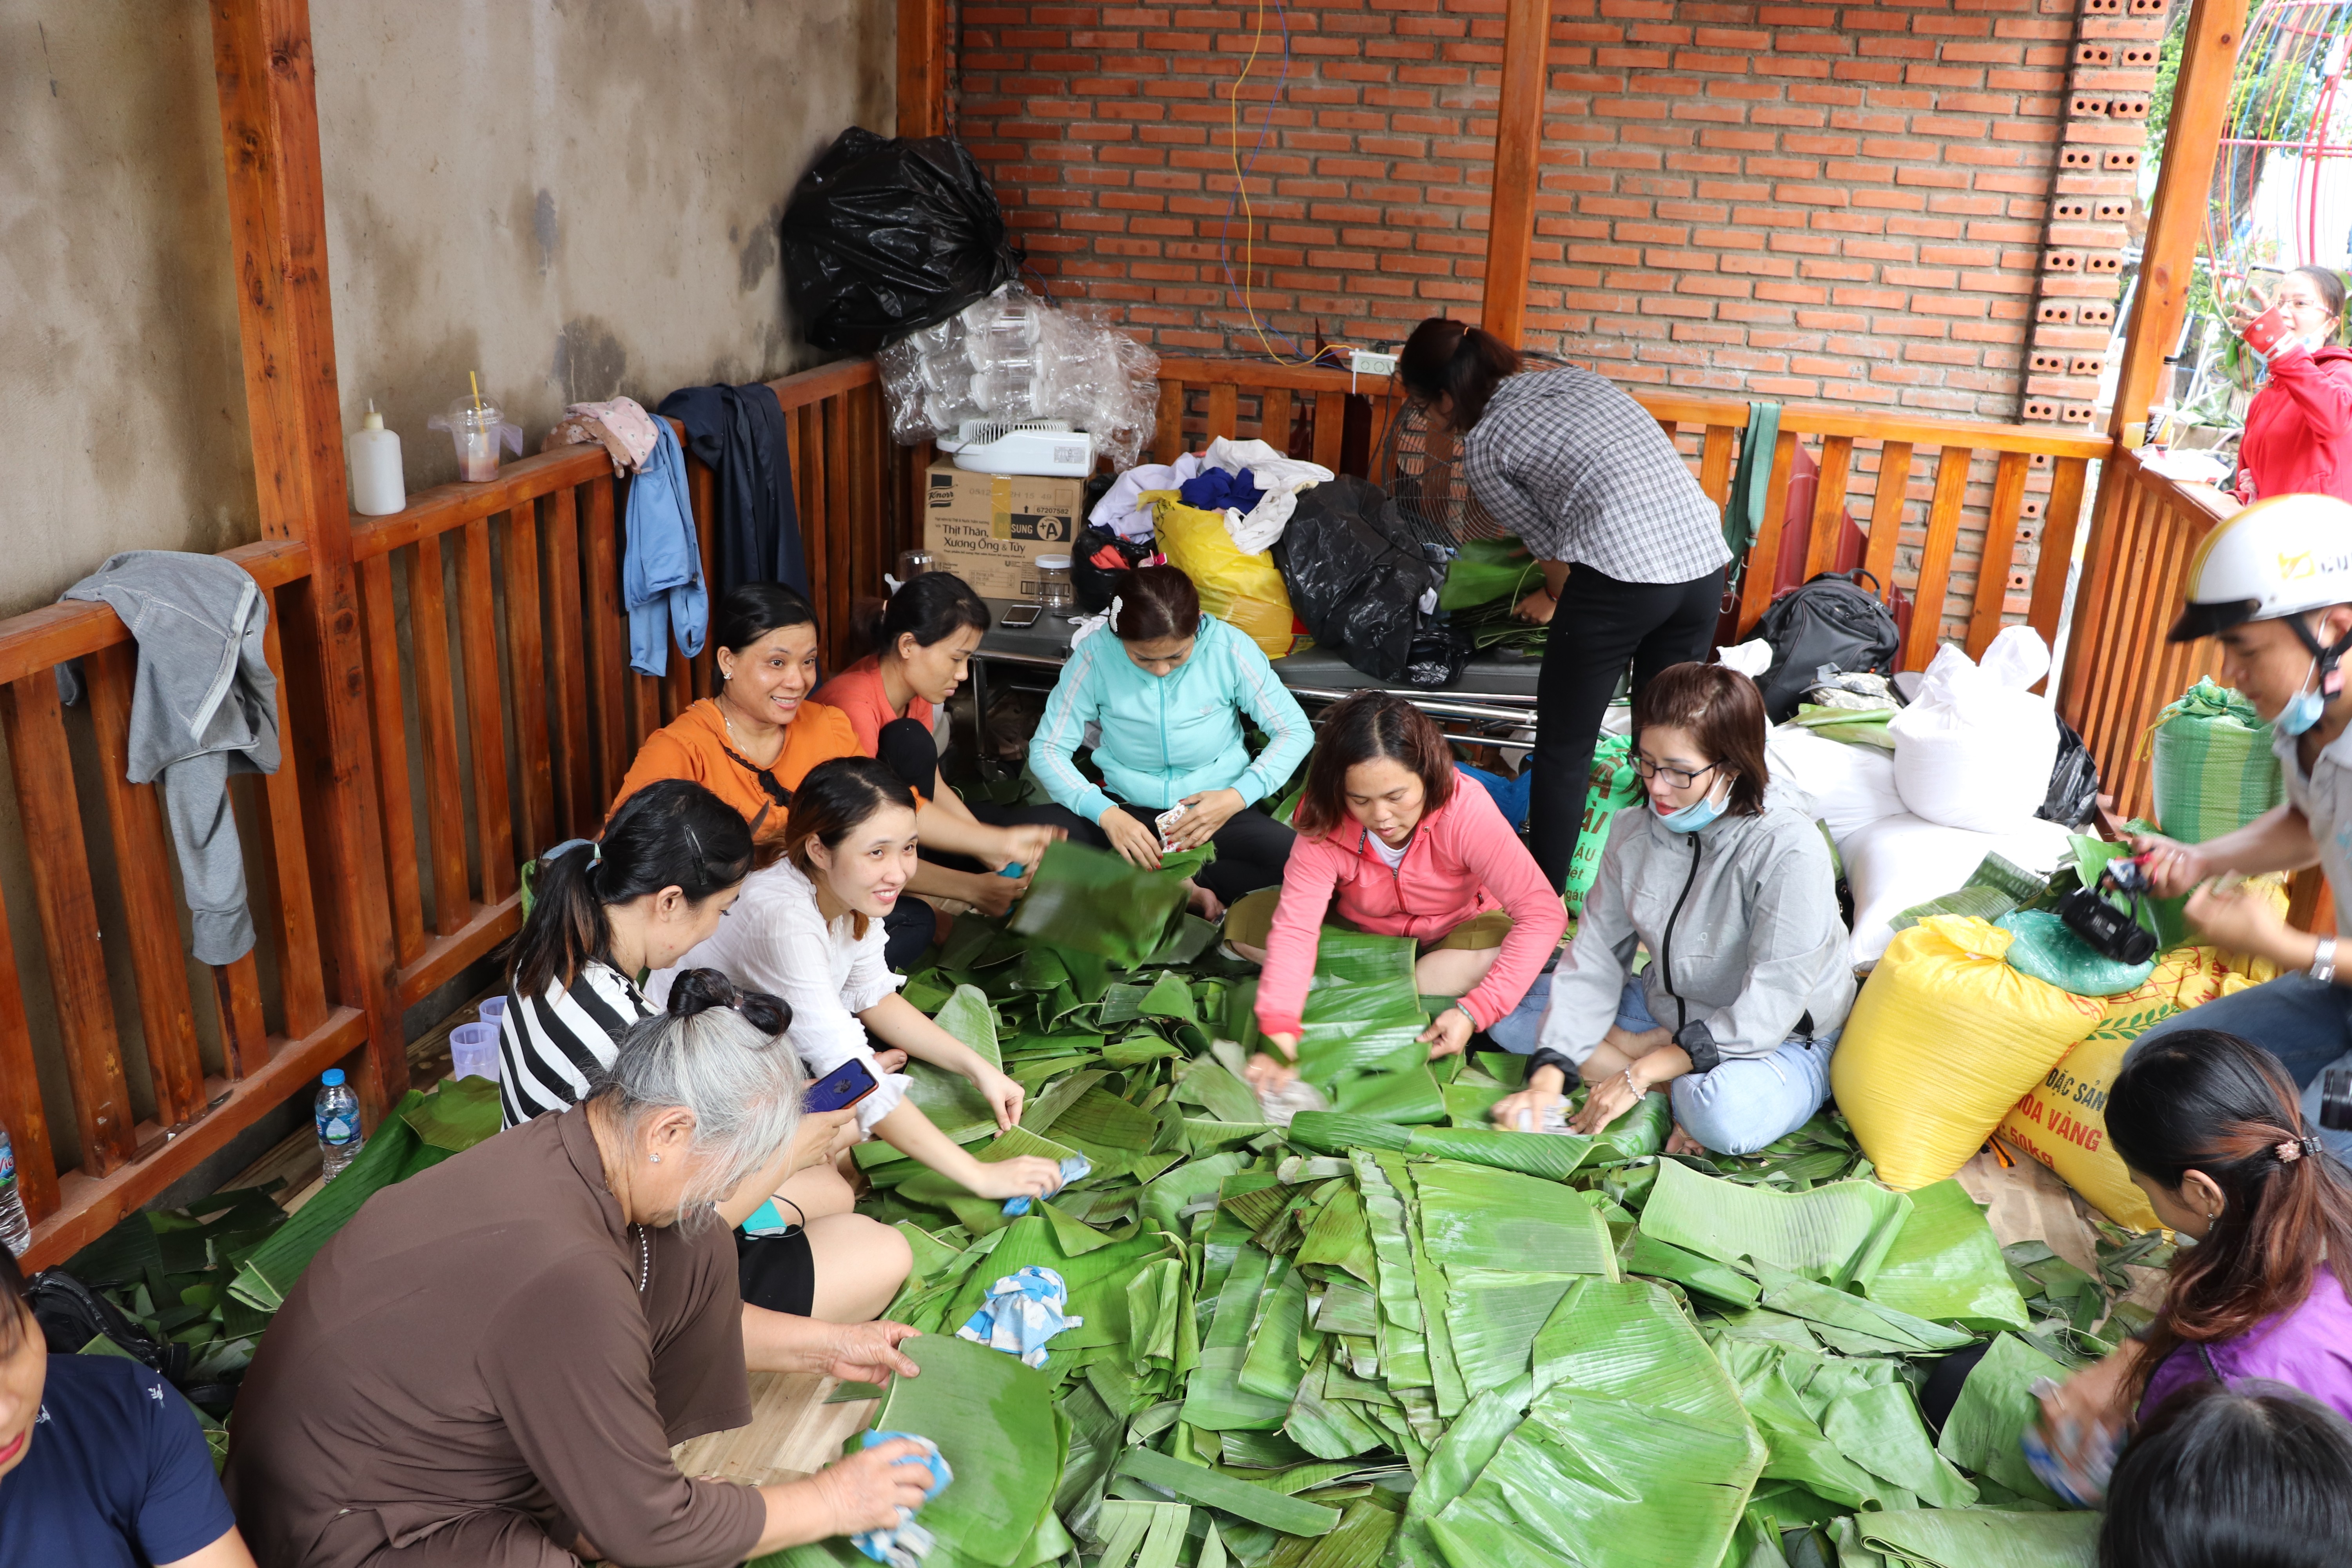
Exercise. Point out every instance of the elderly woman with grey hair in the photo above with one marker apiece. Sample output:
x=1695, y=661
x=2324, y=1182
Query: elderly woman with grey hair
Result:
x=492, y=1360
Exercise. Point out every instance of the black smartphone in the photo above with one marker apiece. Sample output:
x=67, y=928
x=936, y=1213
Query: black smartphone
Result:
x=1020, y=616
x=842, y=1088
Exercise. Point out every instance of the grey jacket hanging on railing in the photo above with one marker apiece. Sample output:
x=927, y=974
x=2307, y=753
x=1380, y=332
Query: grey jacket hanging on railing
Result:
x=206, y=707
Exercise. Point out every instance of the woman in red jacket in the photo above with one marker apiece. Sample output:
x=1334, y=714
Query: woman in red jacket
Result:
x=2298, y=436
x=1393, y=841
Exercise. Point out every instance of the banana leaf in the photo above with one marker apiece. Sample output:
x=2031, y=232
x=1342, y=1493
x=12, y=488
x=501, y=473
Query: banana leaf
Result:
x=994, y=1422
x=1993, y=1411
x=1208, y=1085
x=1361, y=1538
x=1215, y=1400
x=1336, y=1132
x=1981, y=1538
x=1095, y=901
x=1404, y=1355
x=1140, y=1534
x=1364, y=1015
x=1836, y=1233
x=1474, y=1217
x=1641, y=1253
x=1488, y=571
x=393, y=1155
x=1816, y=1303
x=1272, y=1367
x=968, y=1015
x=455, y=1116
x=1946, y=1265
x=1339, y=1238
x=1326, y=1427
x=1546, y=1155
x=1227, y=1494
x=1879, y=1430
x=1497, y=1314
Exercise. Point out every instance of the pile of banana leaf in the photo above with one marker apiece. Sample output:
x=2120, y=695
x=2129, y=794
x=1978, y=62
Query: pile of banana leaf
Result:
x=1391, y=1334
x=1484, y=584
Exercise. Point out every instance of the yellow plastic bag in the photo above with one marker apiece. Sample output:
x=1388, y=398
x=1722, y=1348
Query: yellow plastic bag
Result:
x=1245, y=592
x=1943, y=1041
x=2062, y=1120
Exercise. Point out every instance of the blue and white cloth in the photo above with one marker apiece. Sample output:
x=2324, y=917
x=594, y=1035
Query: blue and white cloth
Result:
x=905, y=1543
x=1023, y=1312
x=1074, y=1169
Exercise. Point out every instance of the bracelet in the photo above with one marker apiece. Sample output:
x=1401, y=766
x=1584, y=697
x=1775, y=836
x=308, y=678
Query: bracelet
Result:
x=2323, y=962
x=1630, y=1084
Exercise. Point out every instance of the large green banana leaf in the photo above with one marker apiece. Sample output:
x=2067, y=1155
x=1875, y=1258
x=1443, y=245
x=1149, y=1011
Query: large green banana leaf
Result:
x=1816, y=1303
x=1837, y=1233
x=1981, y=1538
x=1983, y=1432
x=1880, y=1429
x=994, y=1422
x=1496, y=1313
x=1946, y=1265
x=1472, y=1216
x=1363, y=1021
x=1095, y=901
x=1488, y=570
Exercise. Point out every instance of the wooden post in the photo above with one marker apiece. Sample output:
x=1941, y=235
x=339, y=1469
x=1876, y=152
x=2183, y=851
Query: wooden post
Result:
x=922, y=68
x=277, y=200
x=1518, y=134
x=2201, y=100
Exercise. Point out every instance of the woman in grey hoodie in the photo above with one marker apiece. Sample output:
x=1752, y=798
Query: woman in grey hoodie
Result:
x=1735, y=898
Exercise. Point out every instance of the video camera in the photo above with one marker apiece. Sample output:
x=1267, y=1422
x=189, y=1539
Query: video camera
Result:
x=2113, y=930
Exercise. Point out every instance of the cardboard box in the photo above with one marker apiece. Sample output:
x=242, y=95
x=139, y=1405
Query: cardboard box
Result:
x=987, y=528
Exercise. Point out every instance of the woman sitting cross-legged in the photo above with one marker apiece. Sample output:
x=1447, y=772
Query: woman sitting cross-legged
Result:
x=491, y=1361
x=1734, y=897
x=670, y=864
x=809, y=929
x=2210, y=1128
x=1392, y=839
x=1165, y=690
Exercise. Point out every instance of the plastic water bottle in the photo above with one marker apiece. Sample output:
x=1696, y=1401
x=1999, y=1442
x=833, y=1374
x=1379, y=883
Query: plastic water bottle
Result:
x=339, y=1123
x=15, y=1228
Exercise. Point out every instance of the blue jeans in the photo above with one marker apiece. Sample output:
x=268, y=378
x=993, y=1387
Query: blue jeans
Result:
x=1746, y=1102
x=2303, y=1023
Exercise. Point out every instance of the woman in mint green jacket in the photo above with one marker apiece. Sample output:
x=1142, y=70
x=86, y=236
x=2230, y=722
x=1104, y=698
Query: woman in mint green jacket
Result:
x=1166, y=694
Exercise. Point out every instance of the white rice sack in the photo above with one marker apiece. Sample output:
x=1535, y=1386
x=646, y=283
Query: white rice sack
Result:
x=1900, y=861
x=1851, y=786
x=1975, y=748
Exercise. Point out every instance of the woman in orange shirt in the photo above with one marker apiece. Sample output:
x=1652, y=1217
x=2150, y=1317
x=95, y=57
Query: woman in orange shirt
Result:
x=753, y=743
x=923, y=640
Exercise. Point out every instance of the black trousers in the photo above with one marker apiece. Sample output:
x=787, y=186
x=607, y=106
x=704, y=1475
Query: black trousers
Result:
x=907, y=750
x=1252, y=847
x=1599, y=626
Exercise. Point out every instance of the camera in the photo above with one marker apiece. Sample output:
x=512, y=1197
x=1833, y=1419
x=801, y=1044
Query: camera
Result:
x=2111, y=929
x=2335, y=1101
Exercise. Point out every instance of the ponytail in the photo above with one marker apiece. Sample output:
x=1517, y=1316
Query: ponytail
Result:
x=2201, y=1100
x=930, y=607
x=671, y=834
x=1447, y=358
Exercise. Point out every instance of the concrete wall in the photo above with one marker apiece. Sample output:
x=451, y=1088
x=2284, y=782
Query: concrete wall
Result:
x=573, y=198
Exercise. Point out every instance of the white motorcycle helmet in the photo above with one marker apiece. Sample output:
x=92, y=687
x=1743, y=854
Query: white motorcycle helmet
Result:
x=2276, y=559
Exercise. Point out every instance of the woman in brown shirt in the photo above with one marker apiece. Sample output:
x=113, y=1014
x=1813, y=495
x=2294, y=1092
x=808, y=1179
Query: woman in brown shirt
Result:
x=491, y=1362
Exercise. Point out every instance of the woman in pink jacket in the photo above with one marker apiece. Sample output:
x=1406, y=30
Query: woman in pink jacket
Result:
x=1393, y=841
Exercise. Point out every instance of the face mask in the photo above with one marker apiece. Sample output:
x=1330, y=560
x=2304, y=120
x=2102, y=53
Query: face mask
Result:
x=2305, y=707
x=1699, y=813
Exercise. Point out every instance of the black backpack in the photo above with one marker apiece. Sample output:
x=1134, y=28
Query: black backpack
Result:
x=71, y=1314
x=1830, y=621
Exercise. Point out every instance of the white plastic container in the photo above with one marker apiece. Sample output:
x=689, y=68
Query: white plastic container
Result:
x=378, y=489
x=474, y=1051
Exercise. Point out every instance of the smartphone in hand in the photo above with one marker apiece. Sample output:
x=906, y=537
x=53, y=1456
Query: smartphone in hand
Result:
x=2268, y=331
x=842, y=1088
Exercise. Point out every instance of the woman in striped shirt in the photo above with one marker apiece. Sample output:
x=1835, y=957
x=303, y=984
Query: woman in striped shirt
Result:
x=671, y=861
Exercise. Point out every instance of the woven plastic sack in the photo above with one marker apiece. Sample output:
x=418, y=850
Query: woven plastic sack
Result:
x=2214, y=768
x=2048, y=950
x=1943, y=1041
x=1614, y=787
x=2062, y=1120
x=1245, y=592
x=1976, y=746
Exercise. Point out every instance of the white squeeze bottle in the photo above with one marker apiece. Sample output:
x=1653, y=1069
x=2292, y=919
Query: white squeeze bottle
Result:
x=377, y=486
x=338, y=1122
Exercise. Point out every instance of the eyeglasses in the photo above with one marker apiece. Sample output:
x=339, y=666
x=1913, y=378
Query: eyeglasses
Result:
x=1680, y=778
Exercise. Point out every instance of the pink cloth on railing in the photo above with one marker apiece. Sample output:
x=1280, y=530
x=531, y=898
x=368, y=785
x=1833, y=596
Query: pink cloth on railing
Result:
x=622, y=424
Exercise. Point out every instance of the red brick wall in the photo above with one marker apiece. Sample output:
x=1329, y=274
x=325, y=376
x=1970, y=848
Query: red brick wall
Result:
x=1846, y=202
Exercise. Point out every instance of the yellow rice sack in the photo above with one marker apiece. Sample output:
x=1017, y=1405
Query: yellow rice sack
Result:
x=2061, y=1121
x=1245, y=592
x=1942, y=1042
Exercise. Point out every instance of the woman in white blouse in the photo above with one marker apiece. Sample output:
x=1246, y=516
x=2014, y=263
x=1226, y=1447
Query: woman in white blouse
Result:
x=809, y=930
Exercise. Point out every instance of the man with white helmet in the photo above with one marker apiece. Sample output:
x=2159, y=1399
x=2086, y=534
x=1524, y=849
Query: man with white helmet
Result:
x=2274, y=585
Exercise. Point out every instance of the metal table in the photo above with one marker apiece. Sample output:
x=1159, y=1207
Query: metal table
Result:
x=1495, y=694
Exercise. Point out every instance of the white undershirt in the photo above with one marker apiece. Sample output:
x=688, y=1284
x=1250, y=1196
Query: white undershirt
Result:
x=1391, y=859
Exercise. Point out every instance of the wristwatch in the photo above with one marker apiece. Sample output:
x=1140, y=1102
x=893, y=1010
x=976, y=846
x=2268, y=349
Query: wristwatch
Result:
x=2323, y=963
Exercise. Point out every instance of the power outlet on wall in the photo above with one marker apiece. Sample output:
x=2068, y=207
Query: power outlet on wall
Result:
x=1367, y=362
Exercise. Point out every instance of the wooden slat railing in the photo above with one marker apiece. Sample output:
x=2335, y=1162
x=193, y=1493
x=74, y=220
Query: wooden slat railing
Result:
x=1919, y=512
x=2120, y=672
x=503, y=718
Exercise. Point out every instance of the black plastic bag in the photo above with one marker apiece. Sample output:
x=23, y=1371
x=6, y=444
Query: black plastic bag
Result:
x=2073, y=796
x=1092, y=582
x=1831, y=620
x=885, y=236
x=1357, y=578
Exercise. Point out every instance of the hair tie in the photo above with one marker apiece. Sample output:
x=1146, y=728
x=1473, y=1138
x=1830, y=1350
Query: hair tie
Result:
x=2295, y=1149
x=1117, y=604
x=595, y=851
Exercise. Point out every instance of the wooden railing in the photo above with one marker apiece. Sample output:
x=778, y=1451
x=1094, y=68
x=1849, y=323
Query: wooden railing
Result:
x=2120, y=672
x=1930, y=485
x=502, y=716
